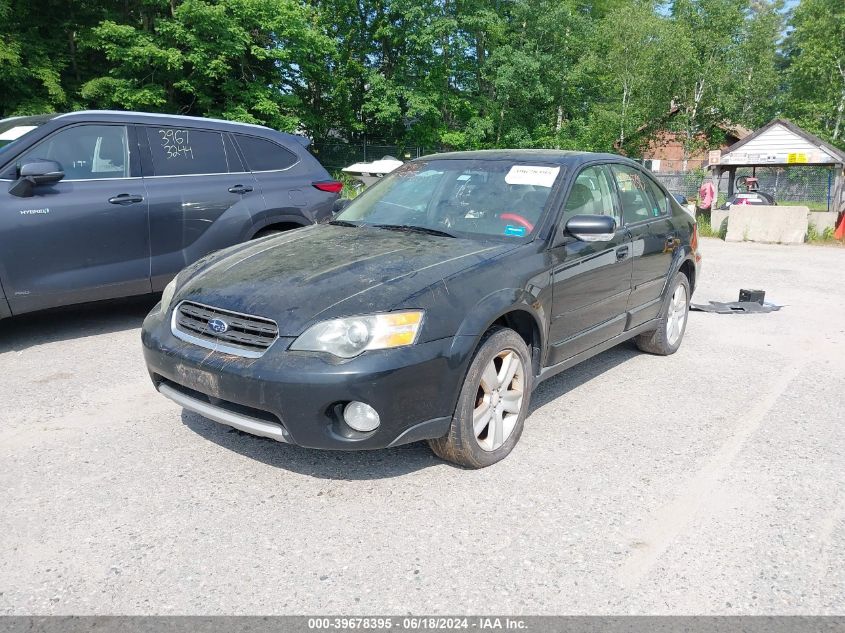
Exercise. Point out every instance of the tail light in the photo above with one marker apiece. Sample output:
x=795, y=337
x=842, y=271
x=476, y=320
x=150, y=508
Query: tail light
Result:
x=331, y=186
x=694, y=242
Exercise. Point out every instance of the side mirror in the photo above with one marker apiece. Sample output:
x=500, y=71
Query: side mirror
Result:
x=339, y=205
x=36, y=172
x=592, y=228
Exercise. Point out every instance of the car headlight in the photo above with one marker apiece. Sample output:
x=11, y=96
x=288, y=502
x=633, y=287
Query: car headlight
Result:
x=350, y=336
x=167, y=295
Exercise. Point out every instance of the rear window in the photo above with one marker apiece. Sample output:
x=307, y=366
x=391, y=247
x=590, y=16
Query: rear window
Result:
x=264, y=155
x=180, y=151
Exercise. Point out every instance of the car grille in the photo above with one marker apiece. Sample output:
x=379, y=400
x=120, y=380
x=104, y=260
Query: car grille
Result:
x=244, y=335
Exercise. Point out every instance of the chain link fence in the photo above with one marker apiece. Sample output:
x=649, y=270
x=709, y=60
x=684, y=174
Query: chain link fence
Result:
x=334, y=156
x=799, y=184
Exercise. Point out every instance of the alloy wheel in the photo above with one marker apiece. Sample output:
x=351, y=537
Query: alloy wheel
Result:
x=677, y=316
x=499, y=400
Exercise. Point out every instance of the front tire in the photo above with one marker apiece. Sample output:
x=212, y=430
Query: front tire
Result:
x=672, y=324
x=493, y=403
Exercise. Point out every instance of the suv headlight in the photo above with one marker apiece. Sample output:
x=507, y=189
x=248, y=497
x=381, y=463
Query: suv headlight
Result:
x=167, y=295
x=350, y=336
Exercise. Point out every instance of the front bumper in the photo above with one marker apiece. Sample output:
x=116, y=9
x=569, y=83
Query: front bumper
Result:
x=298, y=397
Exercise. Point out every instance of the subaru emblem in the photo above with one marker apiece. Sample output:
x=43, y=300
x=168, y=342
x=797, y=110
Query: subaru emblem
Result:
x=218, y=326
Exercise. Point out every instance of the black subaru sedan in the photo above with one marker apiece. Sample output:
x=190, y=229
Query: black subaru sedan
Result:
x=431, y=306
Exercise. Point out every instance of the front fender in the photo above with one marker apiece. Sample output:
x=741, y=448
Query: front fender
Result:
x=497, y=304
x=679, y=257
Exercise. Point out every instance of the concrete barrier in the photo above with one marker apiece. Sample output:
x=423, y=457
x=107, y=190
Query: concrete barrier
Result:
x=779, y=224
x=823, y=220
x=718, y=218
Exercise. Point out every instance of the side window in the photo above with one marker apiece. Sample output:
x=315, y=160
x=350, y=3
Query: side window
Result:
x=637, y=203
x=264, y=155
x=236, y=166
x=591, y=194
x=659, y=197
x=181, y=151
x=86, y=152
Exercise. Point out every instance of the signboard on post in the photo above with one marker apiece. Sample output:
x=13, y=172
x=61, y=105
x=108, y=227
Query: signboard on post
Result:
x=714, y=157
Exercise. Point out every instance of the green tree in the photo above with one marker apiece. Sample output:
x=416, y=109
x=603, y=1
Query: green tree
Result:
x=461, y=73
x=757, y=97
x=246, y=60
x=815, y=74
x=632, y=66
x=713, y=30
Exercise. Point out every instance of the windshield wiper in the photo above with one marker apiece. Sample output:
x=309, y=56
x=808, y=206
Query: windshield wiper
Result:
x=413, y=228
x=343, y=223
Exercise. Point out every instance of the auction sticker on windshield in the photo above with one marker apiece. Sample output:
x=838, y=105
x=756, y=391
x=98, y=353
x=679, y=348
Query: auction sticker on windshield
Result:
x=538, y=176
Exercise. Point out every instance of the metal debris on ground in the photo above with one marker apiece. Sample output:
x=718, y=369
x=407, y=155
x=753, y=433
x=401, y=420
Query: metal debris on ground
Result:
x=735, y=307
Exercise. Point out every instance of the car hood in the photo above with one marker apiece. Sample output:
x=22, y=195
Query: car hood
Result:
x=326, y=271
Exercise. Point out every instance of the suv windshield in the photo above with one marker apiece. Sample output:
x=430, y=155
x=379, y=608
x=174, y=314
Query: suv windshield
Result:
x=466, y=198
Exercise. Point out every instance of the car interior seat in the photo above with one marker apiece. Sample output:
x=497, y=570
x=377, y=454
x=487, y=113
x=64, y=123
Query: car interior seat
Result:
x=580, y=200
x=531, y=204
x=112, y=155
x=634, y=205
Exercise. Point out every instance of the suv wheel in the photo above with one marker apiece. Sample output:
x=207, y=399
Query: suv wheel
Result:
x=266, y=232
x=672, y=325
x=493, y=404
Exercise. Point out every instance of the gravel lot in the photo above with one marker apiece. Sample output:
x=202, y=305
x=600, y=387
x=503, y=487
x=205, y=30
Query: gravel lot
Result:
x=711, y=481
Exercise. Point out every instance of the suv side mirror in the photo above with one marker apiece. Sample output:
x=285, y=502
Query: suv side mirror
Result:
x=339, y=205
x=592, y=228
x=36, y=172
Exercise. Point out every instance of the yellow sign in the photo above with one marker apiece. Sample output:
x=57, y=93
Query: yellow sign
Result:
x=796, y=157
x=714, y=157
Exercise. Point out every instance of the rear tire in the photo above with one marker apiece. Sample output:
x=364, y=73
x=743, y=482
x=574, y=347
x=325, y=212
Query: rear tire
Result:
x=672, y=323
x=275, y=229
x=493, y=403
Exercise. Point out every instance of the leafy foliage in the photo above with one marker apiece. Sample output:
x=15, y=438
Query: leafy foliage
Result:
x=591, y=74
x=816, y=73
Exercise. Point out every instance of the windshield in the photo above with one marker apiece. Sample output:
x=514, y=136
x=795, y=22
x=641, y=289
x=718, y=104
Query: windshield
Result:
x=13, y=130
x=465, y=198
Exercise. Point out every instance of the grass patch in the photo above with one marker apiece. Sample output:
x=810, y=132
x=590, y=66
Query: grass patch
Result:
x=813, y=205
x=706, y=229
x=825, y=237
x=351, y=187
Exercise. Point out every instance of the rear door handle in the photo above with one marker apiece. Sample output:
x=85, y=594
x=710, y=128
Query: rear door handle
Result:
x=240, y=189
x=621, y=253
x=126, y=198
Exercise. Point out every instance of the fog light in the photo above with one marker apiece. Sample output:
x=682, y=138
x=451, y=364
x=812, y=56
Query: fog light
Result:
x=361, y=417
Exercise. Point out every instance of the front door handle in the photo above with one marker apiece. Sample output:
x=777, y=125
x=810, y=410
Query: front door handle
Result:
x=126, y=198
x=240, y=189
x=621, y=253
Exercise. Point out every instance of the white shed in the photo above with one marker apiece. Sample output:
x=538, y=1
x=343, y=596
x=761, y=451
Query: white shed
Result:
x=781, y=143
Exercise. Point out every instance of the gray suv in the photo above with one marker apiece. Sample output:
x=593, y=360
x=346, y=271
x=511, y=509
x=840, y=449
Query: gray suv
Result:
x=97, y=205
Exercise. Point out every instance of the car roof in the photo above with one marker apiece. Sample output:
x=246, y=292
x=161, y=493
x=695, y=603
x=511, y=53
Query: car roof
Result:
x=36, y=119
x=152, y=118
x=554, y=156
